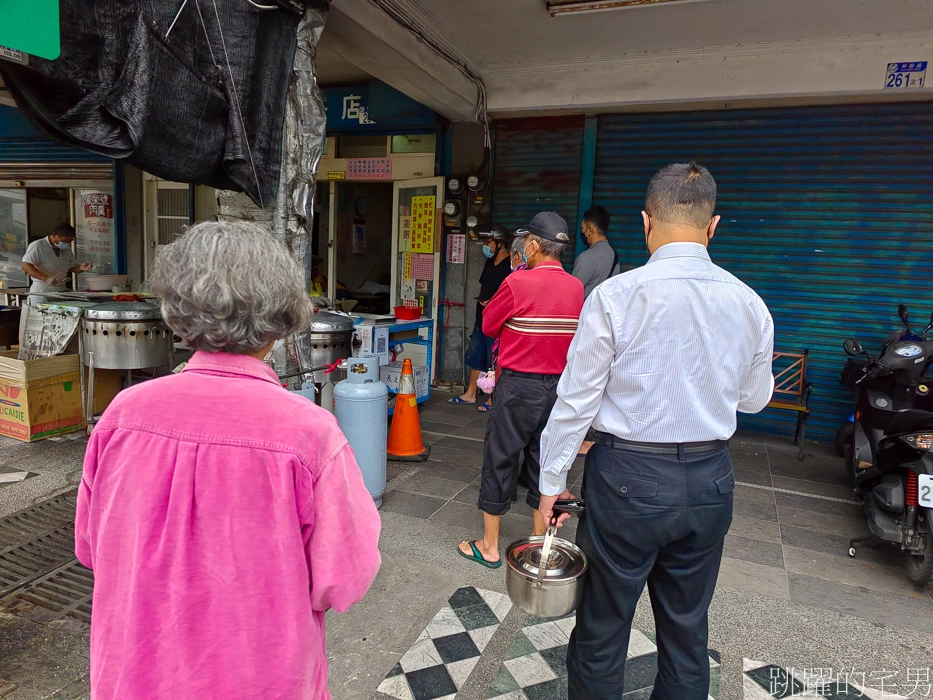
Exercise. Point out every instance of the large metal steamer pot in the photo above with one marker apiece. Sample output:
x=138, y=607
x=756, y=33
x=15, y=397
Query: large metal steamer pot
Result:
x=126, y=335
x=330, y=339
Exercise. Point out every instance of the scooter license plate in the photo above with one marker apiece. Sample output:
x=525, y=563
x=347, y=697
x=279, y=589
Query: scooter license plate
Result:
x=925, y=484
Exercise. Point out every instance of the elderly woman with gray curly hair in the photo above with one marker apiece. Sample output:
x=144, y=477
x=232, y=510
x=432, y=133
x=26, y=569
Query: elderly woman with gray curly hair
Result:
x=221, y=514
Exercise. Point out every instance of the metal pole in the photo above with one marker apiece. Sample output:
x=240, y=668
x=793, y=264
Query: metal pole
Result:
x=81, y=361
x=90, y=389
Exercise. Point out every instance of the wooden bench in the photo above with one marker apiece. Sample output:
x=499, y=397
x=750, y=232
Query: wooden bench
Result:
x=792, y=390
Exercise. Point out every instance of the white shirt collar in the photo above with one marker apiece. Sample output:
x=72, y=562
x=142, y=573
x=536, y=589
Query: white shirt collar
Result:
x=680, y=250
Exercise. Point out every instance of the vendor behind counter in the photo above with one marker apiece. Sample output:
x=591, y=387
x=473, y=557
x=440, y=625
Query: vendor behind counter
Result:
x=49, y=262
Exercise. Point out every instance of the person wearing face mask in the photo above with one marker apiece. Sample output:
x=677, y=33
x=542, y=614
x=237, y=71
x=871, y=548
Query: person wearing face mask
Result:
x=49, y=262
x=479, y=350
x=664, y=357
x=534, y=314
x=599, y=262
x=516, y=254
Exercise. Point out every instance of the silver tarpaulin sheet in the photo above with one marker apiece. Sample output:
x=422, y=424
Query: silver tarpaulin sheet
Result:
x=303, y=145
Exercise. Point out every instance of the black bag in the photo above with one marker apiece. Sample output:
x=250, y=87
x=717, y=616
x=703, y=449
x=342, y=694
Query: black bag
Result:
x=148, y=81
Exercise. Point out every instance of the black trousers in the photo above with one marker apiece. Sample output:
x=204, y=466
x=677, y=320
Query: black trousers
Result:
x=654, y=519
x=521, y=405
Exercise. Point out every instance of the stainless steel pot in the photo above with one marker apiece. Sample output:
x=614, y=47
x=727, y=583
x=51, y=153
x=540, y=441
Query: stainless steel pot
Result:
x=330, y=339
x=126, y=335
x=551, y=590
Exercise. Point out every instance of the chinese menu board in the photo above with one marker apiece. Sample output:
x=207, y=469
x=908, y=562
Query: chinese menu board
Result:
x=422, y=224
x=96, y=236
x=422, y=266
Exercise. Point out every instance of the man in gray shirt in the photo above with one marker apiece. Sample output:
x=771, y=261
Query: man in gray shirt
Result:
x=599, y=262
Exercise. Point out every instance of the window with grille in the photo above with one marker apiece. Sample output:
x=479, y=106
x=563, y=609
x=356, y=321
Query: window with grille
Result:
x=173, y=213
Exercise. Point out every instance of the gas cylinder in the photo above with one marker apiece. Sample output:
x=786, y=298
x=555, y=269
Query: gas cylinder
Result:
x=361, y=406
x=307, y=390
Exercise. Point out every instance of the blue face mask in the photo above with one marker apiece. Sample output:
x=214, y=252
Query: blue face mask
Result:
x=63, y=246
x=487, y=251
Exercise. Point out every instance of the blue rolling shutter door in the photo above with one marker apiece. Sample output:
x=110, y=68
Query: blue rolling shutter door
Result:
x=537, y=168
x=827, y=214
x=41, y=159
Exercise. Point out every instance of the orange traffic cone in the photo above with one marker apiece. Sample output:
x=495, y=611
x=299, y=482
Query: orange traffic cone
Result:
x=405, y=442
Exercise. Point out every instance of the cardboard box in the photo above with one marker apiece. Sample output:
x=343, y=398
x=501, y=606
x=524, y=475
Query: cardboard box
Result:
x=374, y=341
x=391, y=373
x=107, y=384
x=42, y=398
x=39, y=398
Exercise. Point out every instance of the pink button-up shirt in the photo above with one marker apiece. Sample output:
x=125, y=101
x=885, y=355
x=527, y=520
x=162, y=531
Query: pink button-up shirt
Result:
x=222, y=517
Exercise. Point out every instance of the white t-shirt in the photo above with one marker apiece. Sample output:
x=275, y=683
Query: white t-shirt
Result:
x=50, y=259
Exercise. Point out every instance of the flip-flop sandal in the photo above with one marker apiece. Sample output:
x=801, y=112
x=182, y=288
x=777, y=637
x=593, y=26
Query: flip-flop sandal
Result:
x=478, y=557
x=483, y=408
x=459, y=401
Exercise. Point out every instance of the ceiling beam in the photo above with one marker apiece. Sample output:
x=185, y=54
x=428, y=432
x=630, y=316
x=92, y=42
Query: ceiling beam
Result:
x=802, y=70
x=370, y=39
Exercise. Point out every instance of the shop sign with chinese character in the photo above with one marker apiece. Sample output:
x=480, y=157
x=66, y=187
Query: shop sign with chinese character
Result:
x=369, y=169
x=405, y=234
x=422, y=224
x=97, y=205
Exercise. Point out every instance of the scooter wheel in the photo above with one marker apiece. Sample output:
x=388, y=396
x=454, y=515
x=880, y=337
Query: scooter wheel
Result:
x=851, y=551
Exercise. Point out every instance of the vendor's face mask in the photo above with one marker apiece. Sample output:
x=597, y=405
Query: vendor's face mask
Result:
x=61, y=245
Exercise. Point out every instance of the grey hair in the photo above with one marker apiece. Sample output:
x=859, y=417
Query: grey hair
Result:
x=549, y=249
x=518, y=244
x=682, y=194
x=230, y=287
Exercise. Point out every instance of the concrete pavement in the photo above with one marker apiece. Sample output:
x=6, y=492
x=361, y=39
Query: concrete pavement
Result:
x=789, y=596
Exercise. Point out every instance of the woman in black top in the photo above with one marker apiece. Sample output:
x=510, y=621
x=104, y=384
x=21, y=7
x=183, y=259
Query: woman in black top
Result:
x=478, y=355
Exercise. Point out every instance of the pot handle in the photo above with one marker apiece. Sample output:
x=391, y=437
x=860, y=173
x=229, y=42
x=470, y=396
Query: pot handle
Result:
x=569, y=505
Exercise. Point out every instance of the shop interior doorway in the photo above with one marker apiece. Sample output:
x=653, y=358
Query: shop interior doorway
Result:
x=362, y=250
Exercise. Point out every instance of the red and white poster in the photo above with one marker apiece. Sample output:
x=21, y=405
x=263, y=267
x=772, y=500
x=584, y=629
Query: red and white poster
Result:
x=422, y=266
x=369, y=169
x=96, y=235
x=456, y=248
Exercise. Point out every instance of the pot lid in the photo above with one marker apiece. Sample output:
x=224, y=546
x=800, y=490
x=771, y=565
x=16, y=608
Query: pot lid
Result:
x=124, y=311
x=328, y=322
x=566, y=561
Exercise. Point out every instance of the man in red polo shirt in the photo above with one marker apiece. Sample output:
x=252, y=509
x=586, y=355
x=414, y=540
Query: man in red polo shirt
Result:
x=535, y=316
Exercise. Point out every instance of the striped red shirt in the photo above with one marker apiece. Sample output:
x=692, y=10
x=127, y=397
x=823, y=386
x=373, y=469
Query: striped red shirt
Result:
x=534, y=314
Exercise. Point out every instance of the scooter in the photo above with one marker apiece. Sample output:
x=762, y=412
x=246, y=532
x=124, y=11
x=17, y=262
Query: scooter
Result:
x=852, y=372
x=890, y=452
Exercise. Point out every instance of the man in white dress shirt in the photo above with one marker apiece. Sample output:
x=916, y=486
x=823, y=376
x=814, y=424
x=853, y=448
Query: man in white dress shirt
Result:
x=663, y=358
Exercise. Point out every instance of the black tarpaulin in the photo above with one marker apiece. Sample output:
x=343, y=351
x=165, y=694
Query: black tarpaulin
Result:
x=187, y=90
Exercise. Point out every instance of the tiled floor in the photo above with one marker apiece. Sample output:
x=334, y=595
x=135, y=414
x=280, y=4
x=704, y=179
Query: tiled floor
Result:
x=440, y=662
x=442, y=658
x=789, y=538
x=535, y=665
